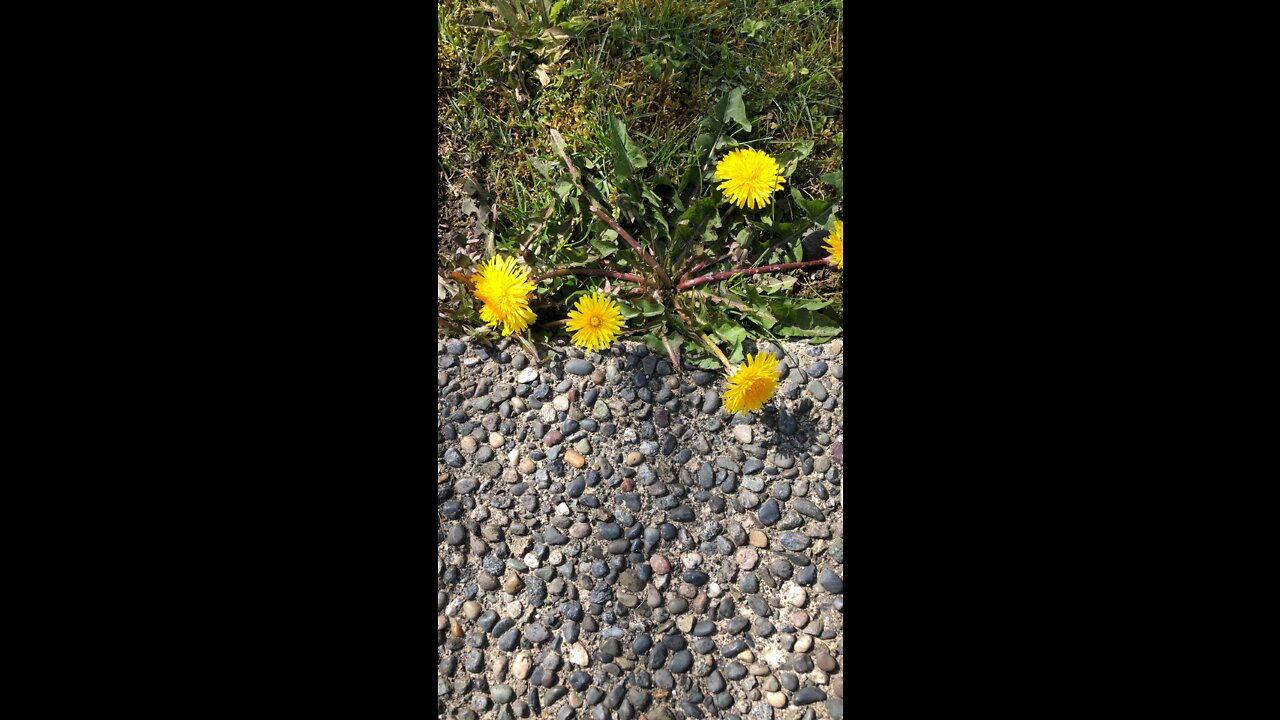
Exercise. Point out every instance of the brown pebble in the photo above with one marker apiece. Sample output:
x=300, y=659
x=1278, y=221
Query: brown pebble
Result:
x=574, y=458
x=468, y=444
x=471, y=609
x=527, y=466
x=660, y=564
x=579, y=530
x=825, y=661
x=627, y=485
x=633, y=458
x=511, y=584
x=758, y=539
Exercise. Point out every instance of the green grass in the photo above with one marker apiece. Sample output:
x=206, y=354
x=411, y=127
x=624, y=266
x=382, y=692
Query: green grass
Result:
x=659, y=65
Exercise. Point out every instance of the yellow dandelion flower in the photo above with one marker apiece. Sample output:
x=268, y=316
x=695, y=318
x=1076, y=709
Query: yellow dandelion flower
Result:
x=750, y=177
x=835, y=244
x=752, y=384
x=595, y=321
x=504, y=287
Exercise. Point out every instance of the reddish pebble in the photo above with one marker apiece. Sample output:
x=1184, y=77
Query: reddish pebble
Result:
x=628, y=484
x=660, y=564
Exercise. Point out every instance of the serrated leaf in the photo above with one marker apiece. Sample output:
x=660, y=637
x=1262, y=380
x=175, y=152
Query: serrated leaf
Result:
x=835, y=180
x=732, y=333
x=708, y=363
x=648, y=308
x=626, y=309
x=808, y=323
x=604, y=247
x=627, y=158
x=812, y=304
x=791, y=159
x=776, y=283
x=812, y=208
x=735, y=110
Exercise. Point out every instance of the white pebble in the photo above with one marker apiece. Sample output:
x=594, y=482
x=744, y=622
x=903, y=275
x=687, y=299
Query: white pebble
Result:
x=691, y=561
x=527, y=375
x=452, y=608
x=742, y=433
x=531, y=560
x=560, y=403
x=562, y=509
x=794, y=595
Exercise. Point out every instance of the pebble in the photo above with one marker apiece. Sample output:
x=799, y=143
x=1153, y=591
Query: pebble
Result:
x=830, y=581
x=769, y=513
x=576, y=366
x=794, y=541
x=809, y=695
x=627, y=516
x=711, y=403
x=681, y=662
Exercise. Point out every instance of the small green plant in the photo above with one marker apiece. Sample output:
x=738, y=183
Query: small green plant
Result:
x=691, y=264
x=522, y=40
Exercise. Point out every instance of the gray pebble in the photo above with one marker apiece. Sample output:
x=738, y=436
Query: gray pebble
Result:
x=681, y=662
x=711, y=403
x=578, y=367
x=809, y=695
x=794, y=541
x=830, y=581
x=769, y=513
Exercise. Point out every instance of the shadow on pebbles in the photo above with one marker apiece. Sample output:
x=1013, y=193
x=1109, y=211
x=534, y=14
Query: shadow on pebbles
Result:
x=612, y=544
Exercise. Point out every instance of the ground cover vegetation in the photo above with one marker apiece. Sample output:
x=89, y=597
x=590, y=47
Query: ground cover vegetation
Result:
x=672, y=171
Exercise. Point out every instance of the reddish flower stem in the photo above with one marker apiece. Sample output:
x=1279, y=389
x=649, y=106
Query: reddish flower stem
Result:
x=748, y=271
x=699, y=266
x=644, y=254
x=591, y=271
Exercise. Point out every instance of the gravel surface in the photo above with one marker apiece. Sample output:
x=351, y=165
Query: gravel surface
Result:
x=612, y=544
